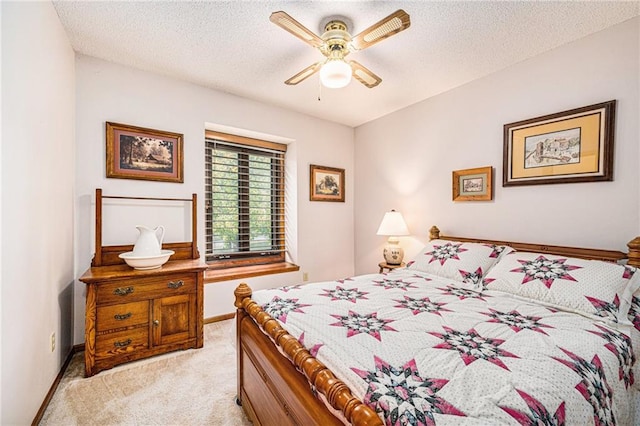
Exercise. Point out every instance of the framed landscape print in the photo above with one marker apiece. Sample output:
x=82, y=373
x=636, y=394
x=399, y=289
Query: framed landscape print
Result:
x=570, y=146
x=473, y=184
x=147, y=154
x=326, y=183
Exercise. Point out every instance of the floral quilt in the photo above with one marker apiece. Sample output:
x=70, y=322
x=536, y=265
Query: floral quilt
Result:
x=423, y=350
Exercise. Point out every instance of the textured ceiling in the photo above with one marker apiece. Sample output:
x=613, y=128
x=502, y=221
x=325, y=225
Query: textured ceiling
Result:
x=232, y=46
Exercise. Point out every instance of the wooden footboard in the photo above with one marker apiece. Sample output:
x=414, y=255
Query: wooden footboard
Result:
x=277, y=391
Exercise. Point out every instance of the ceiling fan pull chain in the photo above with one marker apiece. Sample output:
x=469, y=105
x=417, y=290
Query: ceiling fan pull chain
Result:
x=319, y=90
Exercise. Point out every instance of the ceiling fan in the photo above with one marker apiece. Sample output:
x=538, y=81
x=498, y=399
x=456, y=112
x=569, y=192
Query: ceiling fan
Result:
x=336, y=43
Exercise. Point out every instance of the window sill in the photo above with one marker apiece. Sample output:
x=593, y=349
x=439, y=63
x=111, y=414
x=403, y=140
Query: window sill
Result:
x=228, y=274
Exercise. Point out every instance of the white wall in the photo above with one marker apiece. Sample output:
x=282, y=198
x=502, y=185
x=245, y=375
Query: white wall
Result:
x=0, y=222
x=109, y=92
x=404, y=160
x=37, y=204
x=1, y=36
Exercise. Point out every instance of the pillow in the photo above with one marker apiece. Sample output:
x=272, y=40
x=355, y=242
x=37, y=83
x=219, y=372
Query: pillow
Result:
x=465, y=262
x=597, y=289
x=634, y=313
x=634, y=317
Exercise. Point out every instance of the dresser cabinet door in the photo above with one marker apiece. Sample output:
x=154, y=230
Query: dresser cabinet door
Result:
x=174, y=319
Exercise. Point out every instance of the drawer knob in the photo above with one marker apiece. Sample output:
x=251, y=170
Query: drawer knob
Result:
x=156, y=323
x=175, y=284
x=123, y=291
x=122, y=344
x=122, y=317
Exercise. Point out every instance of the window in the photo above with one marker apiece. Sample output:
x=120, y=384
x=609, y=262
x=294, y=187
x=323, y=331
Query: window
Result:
x=244, y=196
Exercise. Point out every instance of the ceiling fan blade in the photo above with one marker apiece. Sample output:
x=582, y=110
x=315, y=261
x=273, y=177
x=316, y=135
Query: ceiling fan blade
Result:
x=392, y=24
x=286, y=22
x=304, y=74
x=364, y=75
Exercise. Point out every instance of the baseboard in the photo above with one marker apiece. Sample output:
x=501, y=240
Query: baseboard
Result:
x=55, y=384
x=219, y=318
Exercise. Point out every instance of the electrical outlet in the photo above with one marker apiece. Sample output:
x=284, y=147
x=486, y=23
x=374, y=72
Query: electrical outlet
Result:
x=53, y=341
x=305, y=276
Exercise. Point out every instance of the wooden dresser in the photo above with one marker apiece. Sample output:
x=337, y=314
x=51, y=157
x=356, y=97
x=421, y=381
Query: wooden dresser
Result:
x=133, y=314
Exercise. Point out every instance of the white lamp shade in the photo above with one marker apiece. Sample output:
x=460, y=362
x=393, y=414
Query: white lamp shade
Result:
x=335, y=74
x=393, y=224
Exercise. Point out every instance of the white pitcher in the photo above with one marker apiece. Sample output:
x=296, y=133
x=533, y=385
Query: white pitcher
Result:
x=148, y=243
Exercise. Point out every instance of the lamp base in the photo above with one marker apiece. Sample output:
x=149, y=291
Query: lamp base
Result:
x=393, y=253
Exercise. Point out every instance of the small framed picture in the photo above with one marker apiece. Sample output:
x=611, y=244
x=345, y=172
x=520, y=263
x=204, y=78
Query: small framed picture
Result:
x=566, y=147
x=327, y=184
x=473, y=184
x=146, y=154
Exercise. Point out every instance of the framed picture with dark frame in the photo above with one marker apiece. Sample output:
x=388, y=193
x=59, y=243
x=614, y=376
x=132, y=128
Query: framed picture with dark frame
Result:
x=473, y=184
x=569, y=146
x=326, y=183
x=147, y=154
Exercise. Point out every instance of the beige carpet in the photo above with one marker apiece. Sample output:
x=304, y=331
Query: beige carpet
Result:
x=192, y=387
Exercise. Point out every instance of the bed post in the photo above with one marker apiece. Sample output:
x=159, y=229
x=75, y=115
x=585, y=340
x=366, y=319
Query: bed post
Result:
x=434, y=233
x=634, y=252
x=241, y=292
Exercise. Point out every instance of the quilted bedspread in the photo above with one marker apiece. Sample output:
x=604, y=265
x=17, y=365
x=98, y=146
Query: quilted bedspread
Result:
x=424, y=350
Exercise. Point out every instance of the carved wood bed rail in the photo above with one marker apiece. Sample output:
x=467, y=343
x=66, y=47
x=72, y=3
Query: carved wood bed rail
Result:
x=320, y=378
x=274, y=390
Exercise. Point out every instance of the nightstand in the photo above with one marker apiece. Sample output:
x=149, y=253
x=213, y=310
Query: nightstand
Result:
x=385, y=265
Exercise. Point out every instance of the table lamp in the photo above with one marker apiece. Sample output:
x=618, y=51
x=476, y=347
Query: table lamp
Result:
x=393, y=225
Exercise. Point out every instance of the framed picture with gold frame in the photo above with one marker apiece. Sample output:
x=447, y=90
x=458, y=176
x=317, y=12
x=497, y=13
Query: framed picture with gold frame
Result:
x=473, y=184
x=569, y=146
x=326, y=183
x=147, y=154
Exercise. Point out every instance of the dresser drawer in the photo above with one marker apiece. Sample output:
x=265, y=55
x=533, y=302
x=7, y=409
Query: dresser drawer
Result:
x=145, y=288
x=122, y=315
x=122, y=342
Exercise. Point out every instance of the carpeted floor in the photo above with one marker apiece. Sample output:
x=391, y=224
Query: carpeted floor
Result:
x=192, y=387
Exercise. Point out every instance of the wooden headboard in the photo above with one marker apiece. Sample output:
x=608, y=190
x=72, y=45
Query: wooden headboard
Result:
x=633, y=257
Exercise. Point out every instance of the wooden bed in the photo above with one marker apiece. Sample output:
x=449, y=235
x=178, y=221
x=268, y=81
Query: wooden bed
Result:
x=280, y=382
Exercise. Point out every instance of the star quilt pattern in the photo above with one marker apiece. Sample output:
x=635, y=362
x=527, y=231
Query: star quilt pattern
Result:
x=423, y=350
x=460, y=261
x=601, y=289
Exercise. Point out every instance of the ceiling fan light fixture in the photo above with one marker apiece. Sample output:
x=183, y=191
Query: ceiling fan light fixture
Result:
x=335, y=74
x=336, y=43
